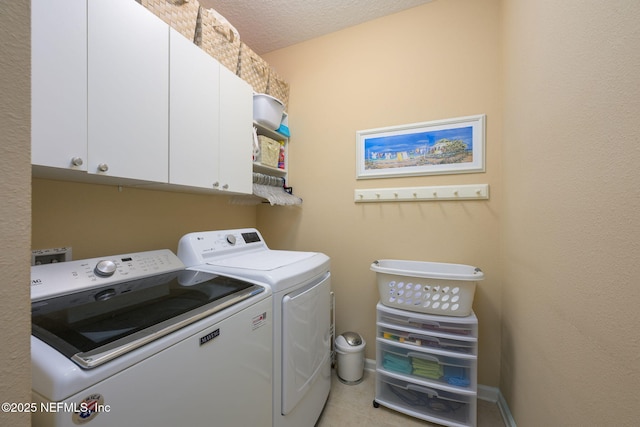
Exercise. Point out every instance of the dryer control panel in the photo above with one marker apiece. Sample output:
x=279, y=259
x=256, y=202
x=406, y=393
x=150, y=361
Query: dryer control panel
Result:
x=203, y=247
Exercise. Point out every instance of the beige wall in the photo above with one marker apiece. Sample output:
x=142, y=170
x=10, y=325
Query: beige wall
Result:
x=97, y=220
x=570, y=223
x=432, y=62
x=15, y=209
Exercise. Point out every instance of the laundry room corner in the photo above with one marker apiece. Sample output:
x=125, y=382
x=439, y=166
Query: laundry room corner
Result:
x=371, y=212
x=391, y=71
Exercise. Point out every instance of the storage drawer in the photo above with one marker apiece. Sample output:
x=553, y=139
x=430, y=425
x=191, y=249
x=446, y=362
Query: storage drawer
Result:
x=419, y=365
x=428, y=403
x=464, y=326
x=407, y=336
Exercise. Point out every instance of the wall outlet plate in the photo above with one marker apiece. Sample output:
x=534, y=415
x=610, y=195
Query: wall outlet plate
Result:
x=50, y=256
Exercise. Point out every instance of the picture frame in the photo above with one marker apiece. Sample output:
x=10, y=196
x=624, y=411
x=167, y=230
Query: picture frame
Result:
x=448, y=146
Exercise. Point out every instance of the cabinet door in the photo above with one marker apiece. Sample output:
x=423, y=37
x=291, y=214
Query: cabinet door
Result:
x=128, y=85
x=59, y=83
x=236, y=133
x=194, y=108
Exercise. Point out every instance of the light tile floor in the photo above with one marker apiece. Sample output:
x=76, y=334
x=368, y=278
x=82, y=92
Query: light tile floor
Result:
x=352, y=406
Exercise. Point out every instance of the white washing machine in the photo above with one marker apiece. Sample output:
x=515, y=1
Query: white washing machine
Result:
x=301, y=287
x=137, y=340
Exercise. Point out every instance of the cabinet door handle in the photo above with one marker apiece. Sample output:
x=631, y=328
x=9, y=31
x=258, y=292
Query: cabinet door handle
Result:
x=216, y=184
x=77, y=161
x=103, y=167
x=226, y=186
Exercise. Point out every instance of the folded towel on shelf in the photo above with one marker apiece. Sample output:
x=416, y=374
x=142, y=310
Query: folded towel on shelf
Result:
x=426, y=368
x=391, y=362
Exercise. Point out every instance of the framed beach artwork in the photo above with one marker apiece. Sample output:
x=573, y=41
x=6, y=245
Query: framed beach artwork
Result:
x=429, y=148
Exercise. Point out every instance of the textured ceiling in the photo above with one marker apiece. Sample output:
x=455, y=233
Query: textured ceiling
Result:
x=267, y=25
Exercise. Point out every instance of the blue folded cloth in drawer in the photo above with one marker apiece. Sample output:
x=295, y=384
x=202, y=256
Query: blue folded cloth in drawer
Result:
x=391, y=362
x=455, y=375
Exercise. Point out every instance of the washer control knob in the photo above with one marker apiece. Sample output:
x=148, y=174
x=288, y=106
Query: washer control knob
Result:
x=105, y=268
x=231, y=239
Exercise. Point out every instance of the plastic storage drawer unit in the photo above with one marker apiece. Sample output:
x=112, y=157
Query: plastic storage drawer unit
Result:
x=426, y=365
x=438, y=324
x=428, y=331
x=426, y=341
x=428, y=403
x=427, y=287
x=434, y=368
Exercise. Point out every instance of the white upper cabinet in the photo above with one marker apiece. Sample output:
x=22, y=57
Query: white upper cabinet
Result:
x=236, y=133
x=128, y=85
x=59, y=84
x=194, y=111
x=210, y=122
x=122, y=98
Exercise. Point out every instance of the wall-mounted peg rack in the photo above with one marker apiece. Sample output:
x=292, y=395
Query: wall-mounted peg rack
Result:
x=409, y=194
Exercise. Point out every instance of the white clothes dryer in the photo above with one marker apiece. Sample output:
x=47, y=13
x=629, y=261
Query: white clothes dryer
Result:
x=301, y=287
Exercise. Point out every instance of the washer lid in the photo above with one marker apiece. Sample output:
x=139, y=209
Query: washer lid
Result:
x=264, y=260
x=97, y=325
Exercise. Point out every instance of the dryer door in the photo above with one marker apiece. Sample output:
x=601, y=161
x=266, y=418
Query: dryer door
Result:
x=306, y=339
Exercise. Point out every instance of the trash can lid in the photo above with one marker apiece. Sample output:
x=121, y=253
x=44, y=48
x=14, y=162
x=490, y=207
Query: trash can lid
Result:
x=343, y=347
x=352, y=338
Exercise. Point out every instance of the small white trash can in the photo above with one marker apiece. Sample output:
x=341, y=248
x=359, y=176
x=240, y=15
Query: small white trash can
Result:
x=350, y=354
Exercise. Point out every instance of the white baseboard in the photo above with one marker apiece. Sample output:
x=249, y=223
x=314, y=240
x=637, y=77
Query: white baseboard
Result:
x=490, y=394
x=506, y=412
x=370, y=365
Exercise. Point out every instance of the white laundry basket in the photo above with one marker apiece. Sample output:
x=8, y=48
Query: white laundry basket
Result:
x=427, y=287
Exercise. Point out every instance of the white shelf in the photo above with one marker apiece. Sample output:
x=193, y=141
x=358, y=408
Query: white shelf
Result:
x=415, y=194
x=270, y=133
x=268, y=170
